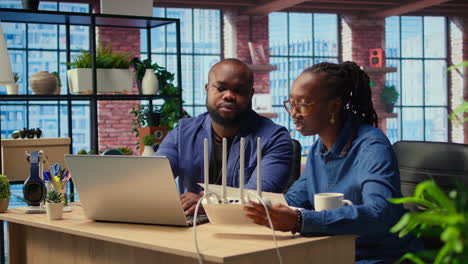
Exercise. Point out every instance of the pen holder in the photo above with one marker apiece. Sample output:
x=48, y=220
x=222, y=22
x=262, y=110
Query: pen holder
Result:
x=50, y=186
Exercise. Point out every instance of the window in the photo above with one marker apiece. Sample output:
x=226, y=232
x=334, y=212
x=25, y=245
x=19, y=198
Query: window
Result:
x=200, y=47
x=298, y=41
x=417, y=47
x=41, y=47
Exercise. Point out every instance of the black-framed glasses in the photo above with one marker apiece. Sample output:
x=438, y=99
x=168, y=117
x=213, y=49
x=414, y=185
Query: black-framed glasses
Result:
x=301, y=108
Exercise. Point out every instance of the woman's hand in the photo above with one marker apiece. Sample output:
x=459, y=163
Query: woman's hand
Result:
x=283, y=218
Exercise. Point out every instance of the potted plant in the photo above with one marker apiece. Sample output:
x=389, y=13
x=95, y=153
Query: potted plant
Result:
x=148, y=142
x=32, y=5
x=113, y=73
x=13, y=88
x=444, y=217
x=389, y=97
x=125, y=151
x=5, y=193
x=54, y=205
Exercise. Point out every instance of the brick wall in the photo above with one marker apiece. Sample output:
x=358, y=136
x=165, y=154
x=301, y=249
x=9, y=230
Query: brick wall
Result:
x=238, y=31
x=358, y=36
x=115, y=129
x=456, y=76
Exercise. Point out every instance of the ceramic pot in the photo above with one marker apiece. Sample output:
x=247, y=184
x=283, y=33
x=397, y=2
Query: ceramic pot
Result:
x=4, y=205
x=12, y=88
x=54, y=210
x=31, y=5
x=148, y=151
x=43, y=83
x=389, y=108
x=150, y=82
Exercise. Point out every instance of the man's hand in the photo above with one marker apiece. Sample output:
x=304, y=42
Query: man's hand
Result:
x=283, y=218
x=189, y=202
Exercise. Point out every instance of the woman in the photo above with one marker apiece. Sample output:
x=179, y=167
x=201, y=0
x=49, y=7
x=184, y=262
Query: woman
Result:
x=352, y=157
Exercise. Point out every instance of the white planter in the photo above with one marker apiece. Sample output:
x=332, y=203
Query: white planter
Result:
x=108, y=80
x=148, y=151
x=12, y=88
x=54, y=210
x=149, y=84
x=125, y=7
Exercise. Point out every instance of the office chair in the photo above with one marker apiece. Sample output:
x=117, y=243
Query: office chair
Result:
x=296, y=164
x=418, y=161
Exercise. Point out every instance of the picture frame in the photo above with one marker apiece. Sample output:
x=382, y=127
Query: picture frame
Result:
x=257, y=53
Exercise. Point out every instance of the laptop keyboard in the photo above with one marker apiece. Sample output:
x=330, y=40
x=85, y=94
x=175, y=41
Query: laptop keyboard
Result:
x=201, y=219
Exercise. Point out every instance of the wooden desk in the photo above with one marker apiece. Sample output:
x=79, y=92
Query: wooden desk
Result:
x=34, y=239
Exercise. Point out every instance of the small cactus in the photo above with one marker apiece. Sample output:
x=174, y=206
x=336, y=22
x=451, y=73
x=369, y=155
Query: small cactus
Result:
x=54, y=197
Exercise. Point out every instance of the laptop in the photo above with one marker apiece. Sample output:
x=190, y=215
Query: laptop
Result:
x=129, y=189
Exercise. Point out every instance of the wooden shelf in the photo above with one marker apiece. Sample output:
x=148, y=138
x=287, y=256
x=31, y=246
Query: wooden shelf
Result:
x=387, y=115
x=269, y=115
x=379, y=69
x=262, y=67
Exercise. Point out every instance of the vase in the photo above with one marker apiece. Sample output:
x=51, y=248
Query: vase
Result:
x=12, y=88
x=54, y=210
x=31, y=5
x=150, y=82
x=43, y=83
x=148, y=151
x=389, y=108
x=4, y=205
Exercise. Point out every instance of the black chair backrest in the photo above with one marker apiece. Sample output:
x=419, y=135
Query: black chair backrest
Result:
x=296, y=164
x=419, y=161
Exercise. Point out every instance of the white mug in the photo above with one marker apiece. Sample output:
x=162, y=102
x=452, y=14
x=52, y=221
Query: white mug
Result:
x=329, y=201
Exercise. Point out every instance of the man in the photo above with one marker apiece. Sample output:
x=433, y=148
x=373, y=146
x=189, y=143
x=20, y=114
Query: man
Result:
x=229, y=102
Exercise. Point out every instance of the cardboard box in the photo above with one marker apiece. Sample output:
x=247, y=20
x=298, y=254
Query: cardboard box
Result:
x=14, y=163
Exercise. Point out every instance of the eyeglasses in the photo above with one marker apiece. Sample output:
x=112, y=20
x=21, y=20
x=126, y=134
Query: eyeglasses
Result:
x=300, y=108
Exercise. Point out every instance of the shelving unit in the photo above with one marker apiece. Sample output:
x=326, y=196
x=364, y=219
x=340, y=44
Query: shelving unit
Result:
x=93, y=21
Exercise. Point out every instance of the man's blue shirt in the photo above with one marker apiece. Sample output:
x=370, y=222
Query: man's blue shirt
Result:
x=184, y=148
x=367, y=175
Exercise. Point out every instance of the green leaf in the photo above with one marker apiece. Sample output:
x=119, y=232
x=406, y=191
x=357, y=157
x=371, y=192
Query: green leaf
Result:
x=411, y=200
x=463, y=64
x=412, y=257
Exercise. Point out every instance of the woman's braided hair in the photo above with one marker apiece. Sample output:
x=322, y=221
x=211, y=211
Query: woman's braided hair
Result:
x=349, y=82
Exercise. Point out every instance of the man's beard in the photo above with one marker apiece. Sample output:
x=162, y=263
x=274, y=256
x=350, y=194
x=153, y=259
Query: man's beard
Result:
x=227, y=122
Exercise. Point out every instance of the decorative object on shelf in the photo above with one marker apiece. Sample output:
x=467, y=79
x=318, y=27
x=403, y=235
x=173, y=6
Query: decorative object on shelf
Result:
x=164, y=78
x=148, y=142
x=389, y=96
x=13, y=88
x=443, y=216
x=376, y=57
x=257, y=53
x=6, y=75
x=59, y=82
x=32, y=5
x=43, y=83
x=5, y=193
x=113, y=74
x=125, y=151
x=262, y=103
x=129, y=8
x=34, y=190
x=149, y=84
x=147, y=121
x=54, y=205
x=27, y=133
